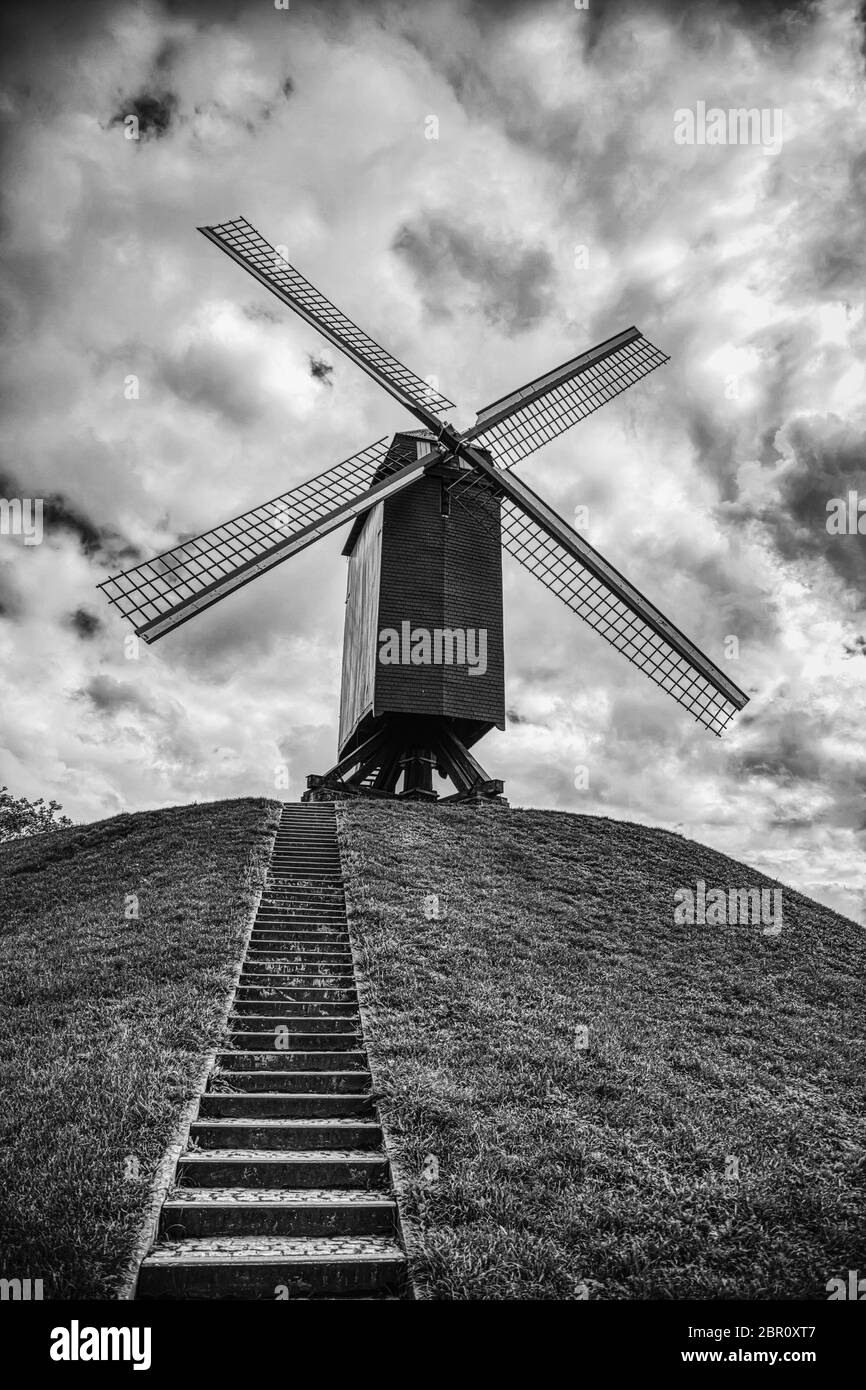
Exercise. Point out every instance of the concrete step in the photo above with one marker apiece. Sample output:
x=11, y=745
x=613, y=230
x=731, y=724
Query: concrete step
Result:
x=295, y=979
x=193, y=1212
x=265, y=960
x=253, y=1008
x=312, y=834
x=330, y=934
x=274, y=1060
x=335, y=1080
x=342, y=986
x=307, y=854
x=308, y=972
x=296, y=879
x=295, y=915
x=282, y=1105
x=266, y=1002
x=304, y=924
x=302, y=931
x=242, y=1132
x=253, y=1040
x=300, y=1023
x=346, y=1168
x=286, y=950
x=284, y=993
x=269, y=1267
x=283, y=900
x=296, y=919
x=289, y=887
x=327, y=947
x=270, y=951
x=312, y=876
x=316, y=855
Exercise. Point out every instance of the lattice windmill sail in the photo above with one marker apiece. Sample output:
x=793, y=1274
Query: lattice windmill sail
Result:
x=425, y=577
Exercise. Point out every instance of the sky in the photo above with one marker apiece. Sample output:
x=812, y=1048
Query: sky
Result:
x=488, y=189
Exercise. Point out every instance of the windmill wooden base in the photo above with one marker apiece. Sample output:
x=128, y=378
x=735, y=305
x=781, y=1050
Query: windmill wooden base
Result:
x=406, y=751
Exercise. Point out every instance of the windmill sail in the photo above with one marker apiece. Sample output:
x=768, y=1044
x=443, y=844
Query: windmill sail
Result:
x=598, y=593
x=162, y=593
x=249, y=248
x=520, y=423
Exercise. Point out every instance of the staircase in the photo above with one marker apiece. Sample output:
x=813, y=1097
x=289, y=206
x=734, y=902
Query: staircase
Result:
x=284, y=1188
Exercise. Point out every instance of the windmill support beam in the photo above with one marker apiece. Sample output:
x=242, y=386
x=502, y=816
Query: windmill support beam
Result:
x=406, y=750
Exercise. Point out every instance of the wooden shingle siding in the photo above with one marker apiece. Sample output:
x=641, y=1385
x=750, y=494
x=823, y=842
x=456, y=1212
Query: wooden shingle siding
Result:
x=359, y=634
x=440, y=572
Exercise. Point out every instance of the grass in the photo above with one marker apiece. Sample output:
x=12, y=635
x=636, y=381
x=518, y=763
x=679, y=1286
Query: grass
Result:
x=607, y=1171
x=105, y=1020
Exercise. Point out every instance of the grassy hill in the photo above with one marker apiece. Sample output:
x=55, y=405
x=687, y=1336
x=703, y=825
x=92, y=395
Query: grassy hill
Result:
x=105, y=1019
x=705, y=1142
x=606, y=1170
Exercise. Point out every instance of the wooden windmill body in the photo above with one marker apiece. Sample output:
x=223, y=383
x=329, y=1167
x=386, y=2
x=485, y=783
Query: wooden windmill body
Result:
x=420, y=566
x=431, y=511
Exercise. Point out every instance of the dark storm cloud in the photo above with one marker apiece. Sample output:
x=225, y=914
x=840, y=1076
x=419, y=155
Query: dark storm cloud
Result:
x=320, y=369
x=108, y=695
x=779, y=21
x=259, y=313
x=827, y=461
x=84, y=623
x=512, y=285
x=155, y=114
x=855, y=648
x=782, y=746
x=60, y=514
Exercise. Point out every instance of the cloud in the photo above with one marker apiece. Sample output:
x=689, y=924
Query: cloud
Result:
x=214, y=378
x=321, y=369
x=85, y=624
x=462, y=270
x=60, y=516
x=154, y=114
x=821, y=460
x=108, y=696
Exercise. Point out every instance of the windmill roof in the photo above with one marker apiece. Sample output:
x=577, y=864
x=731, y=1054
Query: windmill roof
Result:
x=395, y=458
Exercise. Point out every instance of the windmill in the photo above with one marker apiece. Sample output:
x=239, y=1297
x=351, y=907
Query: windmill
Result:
x=431, y=510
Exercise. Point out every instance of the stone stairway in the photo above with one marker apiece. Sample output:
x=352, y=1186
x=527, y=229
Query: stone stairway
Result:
x=284, y=1189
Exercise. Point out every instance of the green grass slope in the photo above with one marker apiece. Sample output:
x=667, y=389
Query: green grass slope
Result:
x=105, y=1019
x=706, y=1143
